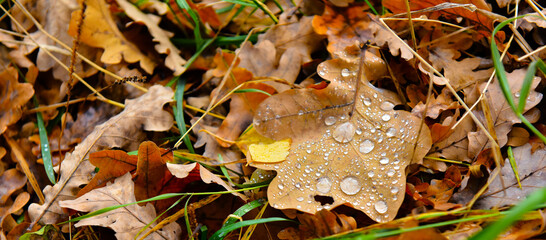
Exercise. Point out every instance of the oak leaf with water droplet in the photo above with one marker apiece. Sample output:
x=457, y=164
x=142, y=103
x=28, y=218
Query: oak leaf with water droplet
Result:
x=353, y=150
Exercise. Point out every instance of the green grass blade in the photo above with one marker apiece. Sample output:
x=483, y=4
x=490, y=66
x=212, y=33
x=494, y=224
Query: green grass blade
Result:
x=192, y=59
x=247, y=3
x=499, y=67
x=503, y=80
x=220, y=234
x=197, y=23
x=514, y=165
x=526, y=86
x=266, y=10
x=371, y=7
x=541, y=66
x=243, y=210
x=44, y=146
x=252, y=90
x=513, y=215
x=187, y=219
x=179, y=112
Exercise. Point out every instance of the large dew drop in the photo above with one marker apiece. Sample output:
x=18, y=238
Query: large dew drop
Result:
x=381, y=207
x=350, y=185
x=345, y=72
x=344, y=132
x=386, y=117
x=329, y=121
x=324, y=185
x=386, y=106
x=384, y=160
x=366, y=146
x=367, y=101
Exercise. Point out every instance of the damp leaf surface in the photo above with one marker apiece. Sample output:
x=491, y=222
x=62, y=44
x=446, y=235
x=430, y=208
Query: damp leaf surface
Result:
x=348, y=144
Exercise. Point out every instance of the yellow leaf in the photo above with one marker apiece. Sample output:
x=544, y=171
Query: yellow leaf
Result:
x=270, y=152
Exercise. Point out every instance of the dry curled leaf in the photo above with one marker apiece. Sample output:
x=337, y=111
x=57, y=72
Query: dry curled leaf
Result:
x=351, y=147
x=125, y=130
x=126, y=221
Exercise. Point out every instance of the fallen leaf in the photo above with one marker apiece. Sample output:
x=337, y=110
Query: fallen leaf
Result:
x=12, y=180
x=484, y=22
x=112, y=164
x=173, y=61
x=436, y=105
x=281, y=51
x=332, y=129
x=455, y=145
x=54, y=17
x=460, y=74
x=124, y=130
x=518, y=137
x=382, y=36
x=438, y=193
x=150, y=175
x=343, y=27
x=531, y=168
x=14, y=96
x=502, y=115
x=323, y=223
x=181, y=171
x=126, y=221
x=12, y=207
x=100, y=30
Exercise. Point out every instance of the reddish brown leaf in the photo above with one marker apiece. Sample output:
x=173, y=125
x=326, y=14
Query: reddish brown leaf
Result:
x=112, y=164
x=151, y=171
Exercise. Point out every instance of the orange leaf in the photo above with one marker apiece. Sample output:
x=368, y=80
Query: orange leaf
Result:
x=112, y=164
x=14, y=95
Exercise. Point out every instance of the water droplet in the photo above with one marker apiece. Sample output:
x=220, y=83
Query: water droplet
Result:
x=308, y=151
x=386, y=106
x=350, y=185
x=298, y=185
x=358, y=131
x=367, y=101
x=371, y=174
x=280, y=186
x=345, y=72
x=300, y=112
x=381, y=207
x=390, y=173
x=375, y=95
x=300, y=199
x=391, y=132
x=384, y=160
x=324, y=185
x=517, y=94
x=344, y=132
x=386, y=117
x=394, y=190
x=329, y=121
x=366, y=146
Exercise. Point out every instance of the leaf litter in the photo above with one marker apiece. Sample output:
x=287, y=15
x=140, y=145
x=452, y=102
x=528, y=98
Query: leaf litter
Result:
x=337, y=147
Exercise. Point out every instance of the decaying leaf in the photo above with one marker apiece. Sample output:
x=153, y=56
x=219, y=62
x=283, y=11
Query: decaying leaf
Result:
x=348, y=144
x=173, y=61
x=99, y=30
x=532, y=174
x=14, y=95
x=125, y=130
x=126, y=221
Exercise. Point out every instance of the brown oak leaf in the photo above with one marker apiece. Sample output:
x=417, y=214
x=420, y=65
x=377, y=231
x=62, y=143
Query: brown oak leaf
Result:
x=348, y=144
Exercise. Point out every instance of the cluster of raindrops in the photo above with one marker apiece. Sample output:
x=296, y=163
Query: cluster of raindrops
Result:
x=359, y=158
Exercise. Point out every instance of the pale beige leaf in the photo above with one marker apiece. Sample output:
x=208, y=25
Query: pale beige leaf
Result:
x=125, y=130
x=353, y=149
x=532, y=174
x=126, y=221
x=173, y=61
x=383, y=36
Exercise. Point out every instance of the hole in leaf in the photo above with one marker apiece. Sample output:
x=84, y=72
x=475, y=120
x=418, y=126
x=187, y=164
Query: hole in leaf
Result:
x=324, y=200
